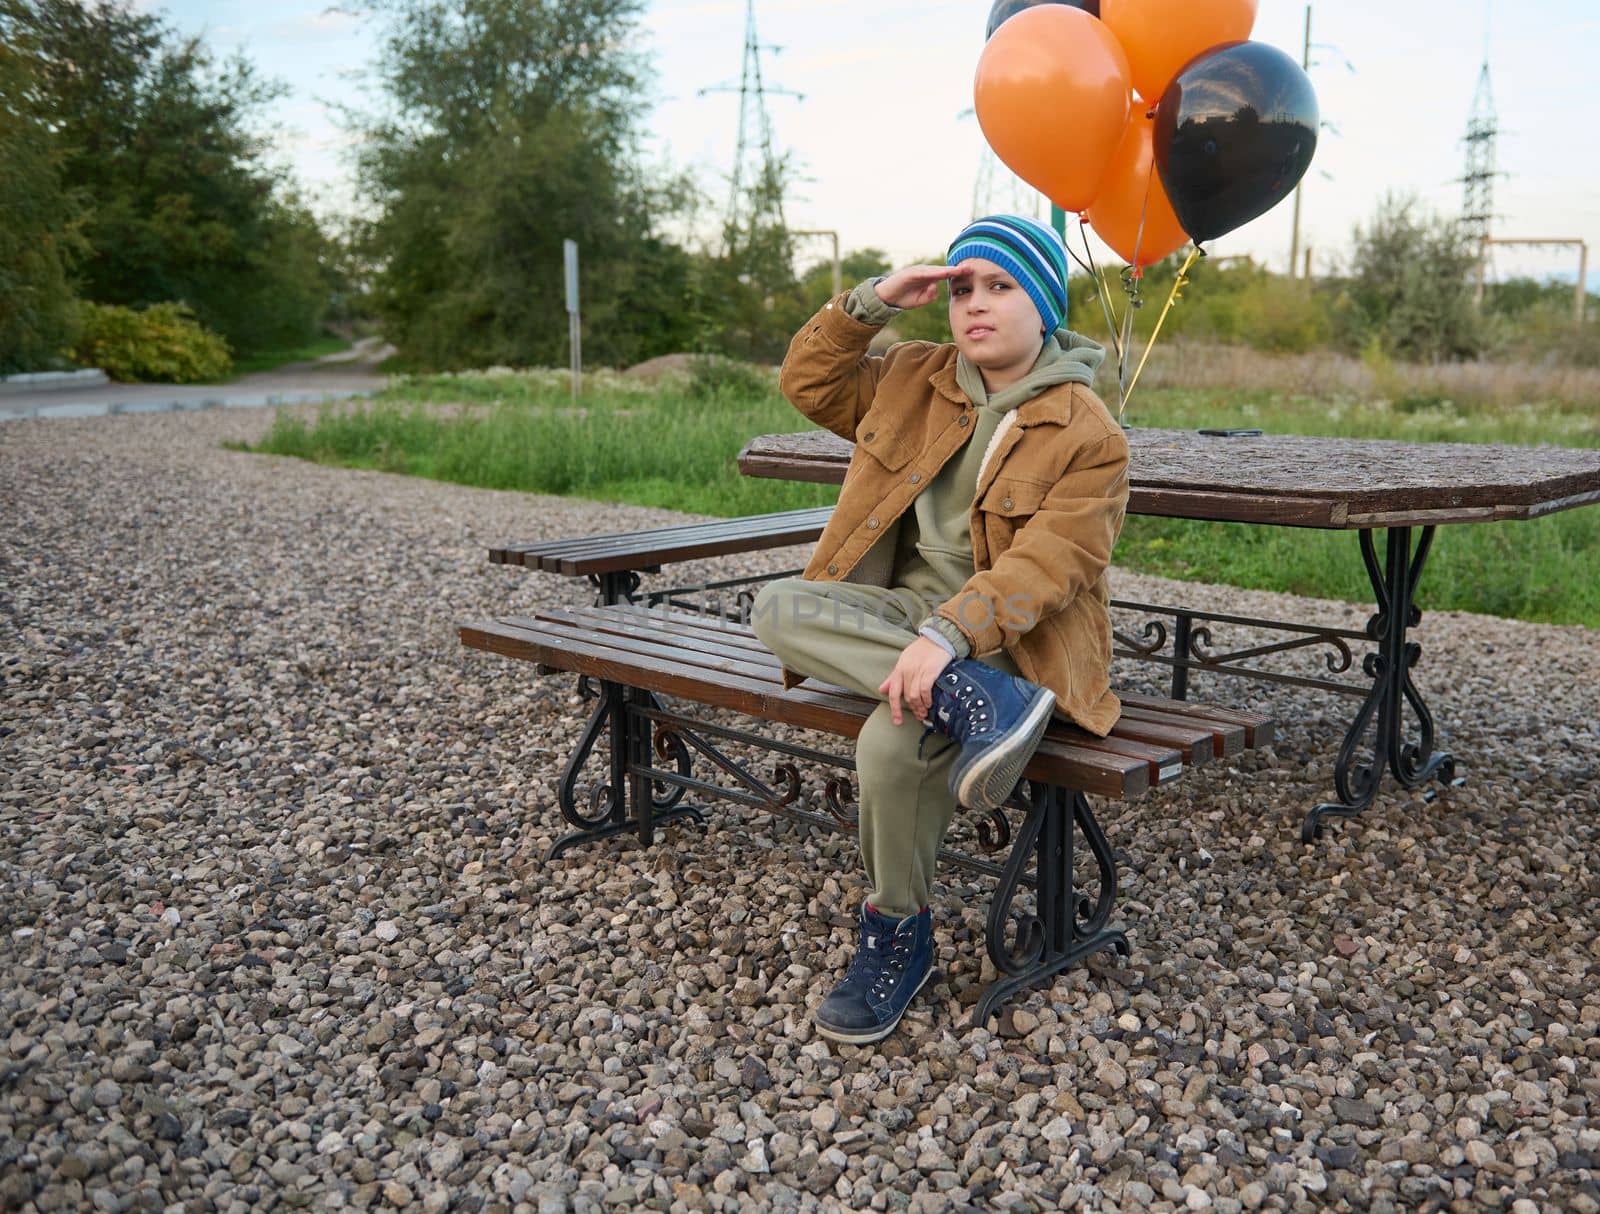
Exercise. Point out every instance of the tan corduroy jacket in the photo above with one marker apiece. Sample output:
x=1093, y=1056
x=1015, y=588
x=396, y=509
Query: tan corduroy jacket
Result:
x=1050, y=500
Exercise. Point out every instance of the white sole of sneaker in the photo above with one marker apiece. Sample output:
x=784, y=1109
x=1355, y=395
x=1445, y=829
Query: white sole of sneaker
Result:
x=868, y=1036
x=989, y=781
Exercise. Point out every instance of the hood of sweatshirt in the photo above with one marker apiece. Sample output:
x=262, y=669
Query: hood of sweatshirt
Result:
x=1067, y=358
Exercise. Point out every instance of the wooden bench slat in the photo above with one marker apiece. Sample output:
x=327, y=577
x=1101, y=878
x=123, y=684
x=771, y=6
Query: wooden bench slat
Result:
x=700, y=656
x=630, y=625
x=716, y=529
x=1258, y=729
x=1064, y=743
x=1197, y=745
x=1228, y=739
x=559, y=647
x=711, y=628
x=1165, y=762
x=778, y=521
x=613, y=552
x=1232, y=730
x=560, y=650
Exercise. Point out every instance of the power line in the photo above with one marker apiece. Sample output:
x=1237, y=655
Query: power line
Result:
x=755, y=196
x=1483, y=131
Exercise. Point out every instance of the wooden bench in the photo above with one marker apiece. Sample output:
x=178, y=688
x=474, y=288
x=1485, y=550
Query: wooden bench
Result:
x=613, y=562
x=643, y=659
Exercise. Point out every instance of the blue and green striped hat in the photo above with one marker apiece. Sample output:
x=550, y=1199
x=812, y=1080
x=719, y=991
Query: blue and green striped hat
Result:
x=1027, y=250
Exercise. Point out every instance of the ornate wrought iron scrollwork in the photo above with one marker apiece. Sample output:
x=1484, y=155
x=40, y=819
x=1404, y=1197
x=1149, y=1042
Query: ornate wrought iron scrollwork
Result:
x=1029, y=947
x=1017, y=951
x=1194, y=648
x=1376, y=737
x=838, y=794
x=669, y=748
x=1090, y=918
x=605, y=798
x=1155, y=639
x=994, y=830
x=789, y=775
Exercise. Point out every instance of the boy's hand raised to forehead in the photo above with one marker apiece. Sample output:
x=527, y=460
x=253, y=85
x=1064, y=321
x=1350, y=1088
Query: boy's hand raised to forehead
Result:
x=916, y=285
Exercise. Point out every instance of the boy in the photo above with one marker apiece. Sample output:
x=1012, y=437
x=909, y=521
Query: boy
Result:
x=968, y=548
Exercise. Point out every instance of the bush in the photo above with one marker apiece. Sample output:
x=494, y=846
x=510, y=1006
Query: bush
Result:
x=162, y=344
x=711, y=376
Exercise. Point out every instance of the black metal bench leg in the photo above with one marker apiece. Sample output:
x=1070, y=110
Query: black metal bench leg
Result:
x=1064, y=927
x=609, y=804
x=1182, y=654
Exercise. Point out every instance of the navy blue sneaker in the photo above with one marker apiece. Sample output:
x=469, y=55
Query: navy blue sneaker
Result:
x=998, y=719
x=893, y=960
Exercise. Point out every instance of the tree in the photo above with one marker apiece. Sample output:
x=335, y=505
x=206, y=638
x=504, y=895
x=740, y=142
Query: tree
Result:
x=1410, y=285
x=164, y=146
x=39, y=220
x=511, y=125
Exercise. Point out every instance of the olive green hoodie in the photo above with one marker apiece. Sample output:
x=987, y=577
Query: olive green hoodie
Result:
x=933, y=550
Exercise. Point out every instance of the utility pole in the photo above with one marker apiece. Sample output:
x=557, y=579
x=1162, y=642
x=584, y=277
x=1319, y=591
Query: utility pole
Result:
x=569, y=254
x=756, y=165
x=1483, y=131
x=1580, y=297
x=838, y=271
x=1294, y=239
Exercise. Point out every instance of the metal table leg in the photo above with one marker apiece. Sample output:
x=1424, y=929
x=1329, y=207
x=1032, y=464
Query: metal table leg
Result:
x=1359, y=769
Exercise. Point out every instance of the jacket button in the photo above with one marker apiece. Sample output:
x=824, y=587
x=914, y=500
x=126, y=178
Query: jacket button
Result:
x=963, y=420
x=869, y=436
x=916, y=478
x=1006, y=505
x=833, y=569
x=872, y=524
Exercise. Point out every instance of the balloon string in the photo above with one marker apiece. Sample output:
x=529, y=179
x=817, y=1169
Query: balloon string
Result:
x=1131, y=284
x=1177, y=286
x=1144, y=210
x=1102, y=290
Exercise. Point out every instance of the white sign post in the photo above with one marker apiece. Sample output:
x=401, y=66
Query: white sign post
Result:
x=574, y=329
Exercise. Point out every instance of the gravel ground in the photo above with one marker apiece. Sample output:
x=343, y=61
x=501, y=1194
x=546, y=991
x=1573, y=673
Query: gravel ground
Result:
x=276, y=933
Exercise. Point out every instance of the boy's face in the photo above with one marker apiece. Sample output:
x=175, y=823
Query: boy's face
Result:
x=993, y=321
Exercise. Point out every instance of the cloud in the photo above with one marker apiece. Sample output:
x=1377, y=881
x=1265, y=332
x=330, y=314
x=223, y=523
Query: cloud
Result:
x=314, y=27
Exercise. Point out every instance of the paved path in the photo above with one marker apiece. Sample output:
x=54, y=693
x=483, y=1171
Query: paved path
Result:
x=351, y=372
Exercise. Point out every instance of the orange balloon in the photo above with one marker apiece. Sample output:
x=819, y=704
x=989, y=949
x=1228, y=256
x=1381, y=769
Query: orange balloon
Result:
x=1052, y=99
x=1160, y=36
x=1132, y=194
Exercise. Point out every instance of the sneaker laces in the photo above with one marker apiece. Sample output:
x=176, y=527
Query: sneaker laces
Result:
x=966, y=710
x=883, y=956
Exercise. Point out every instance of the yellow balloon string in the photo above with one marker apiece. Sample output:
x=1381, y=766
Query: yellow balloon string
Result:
x=1177, y=286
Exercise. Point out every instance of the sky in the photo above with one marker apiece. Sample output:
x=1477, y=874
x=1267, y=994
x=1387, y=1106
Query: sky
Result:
x=889, y=159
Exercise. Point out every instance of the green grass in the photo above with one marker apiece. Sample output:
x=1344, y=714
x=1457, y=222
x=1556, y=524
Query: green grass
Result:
x=1546, y=570
x=674, y=448
x=271, y=360
x=664, y=448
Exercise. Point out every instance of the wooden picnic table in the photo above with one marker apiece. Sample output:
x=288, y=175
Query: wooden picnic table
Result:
x=1361, y=485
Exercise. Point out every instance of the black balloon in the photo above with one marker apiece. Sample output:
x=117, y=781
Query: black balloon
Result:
x=1235, y=132
x=1010, y=8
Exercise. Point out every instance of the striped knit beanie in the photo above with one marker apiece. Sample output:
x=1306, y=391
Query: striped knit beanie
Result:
x=1030, y=252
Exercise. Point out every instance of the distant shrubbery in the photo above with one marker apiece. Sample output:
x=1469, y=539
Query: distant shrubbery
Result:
x=712, y=375
x=134, y=171
x=164, y=343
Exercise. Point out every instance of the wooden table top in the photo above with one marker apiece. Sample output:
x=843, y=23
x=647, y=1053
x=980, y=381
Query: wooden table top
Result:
x=1288, y=479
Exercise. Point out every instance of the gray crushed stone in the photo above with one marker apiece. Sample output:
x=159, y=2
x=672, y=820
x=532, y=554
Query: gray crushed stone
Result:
x=276, y=933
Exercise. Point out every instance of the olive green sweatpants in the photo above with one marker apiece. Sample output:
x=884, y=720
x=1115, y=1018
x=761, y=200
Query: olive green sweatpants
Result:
x=851, y=636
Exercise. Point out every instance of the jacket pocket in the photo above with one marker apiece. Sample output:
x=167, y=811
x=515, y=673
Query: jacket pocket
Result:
x=877, y=436
x=1014, y=499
